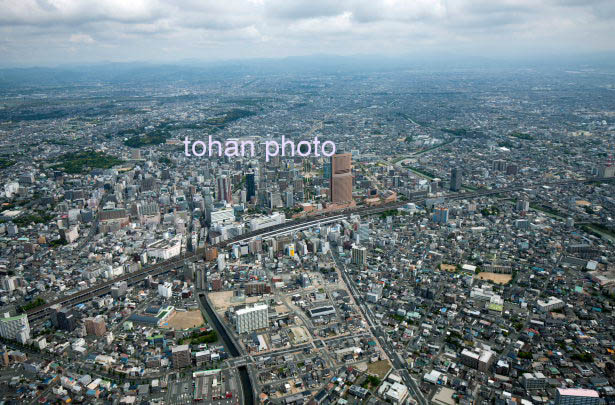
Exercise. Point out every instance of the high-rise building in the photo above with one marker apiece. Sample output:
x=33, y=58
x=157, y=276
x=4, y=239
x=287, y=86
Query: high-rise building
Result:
x=53, y=315
x=66, y=320
x=165, y=290
x=499, y=165
x=250, y=186
x=576, y=396
x=224, y=192
x=359, y=255
x=523, y=205
x=455, y=179
x=289, y=199
x=363, y=232
x=15, y=327
x=95, y=326
x=118, y=290
x=606, y=170
x=9, y=283
x=341, y=178
x=211, y=253
x=200, y=276
x=326, y=174
x=440, y=215
x=181, y=356
x=251, y=318
x=216, y=282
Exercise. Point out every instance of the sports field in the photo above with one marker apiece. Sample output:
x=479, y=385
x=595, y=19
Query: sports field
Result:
x=495, y=277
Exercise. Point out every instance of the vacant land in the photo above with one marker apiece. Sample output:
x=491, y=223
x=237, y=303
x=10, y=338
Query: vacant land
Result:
x=495, y=277
x=299, y=335
x=222, y=300
x=185, y=320
x=379, y=368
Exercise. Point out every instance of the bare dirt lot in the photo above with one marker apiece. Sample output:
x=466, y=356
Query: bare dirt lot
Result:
x=495, y=277
x=379, y=368
x=222, y=300
x=299, y=335
x=185, y=320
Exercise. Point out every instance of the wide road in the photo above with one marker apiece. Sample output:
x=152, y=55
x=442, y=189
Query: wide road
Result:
x=289, y=226
x=399, y=364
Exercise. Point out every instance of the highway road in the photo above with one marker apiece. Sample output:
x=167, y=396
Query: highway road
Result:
x=287, y=227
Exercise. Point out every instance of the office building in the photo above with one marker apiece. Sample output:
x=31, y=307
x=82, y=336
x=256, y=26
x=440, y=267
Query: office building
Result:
x=455, y=179
x=224, y=192
x=15, y=327
x=265, y=222
x=118, y=290
x=327, y=171
x=251, y=318
x=289, y=199
x=66, y=320
x=53, y=315
x=341, y=178
x=576, y=396
x=165, y=290
x=165, y=248
x=222, y=215
x=250, y=186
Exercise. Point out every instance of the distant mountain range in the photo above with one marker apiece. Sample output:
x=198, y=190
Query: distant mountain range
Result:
x=196, y=71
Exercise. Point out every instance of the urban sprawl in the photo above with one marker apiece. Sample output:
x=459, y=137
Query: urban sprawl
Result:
x=457, y=248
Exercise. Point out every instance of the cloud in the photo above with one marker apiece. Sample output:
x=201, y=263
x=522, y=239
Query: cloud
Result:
x=213, y=29
x=81, y=39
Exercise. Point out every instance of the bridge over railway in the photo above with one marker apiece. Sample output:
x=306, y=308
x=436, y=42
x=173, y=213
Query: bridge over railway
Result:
x=104, y=287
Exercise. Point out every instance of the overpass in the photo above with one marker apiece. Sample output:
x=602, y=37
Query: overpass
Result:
x=104, y=287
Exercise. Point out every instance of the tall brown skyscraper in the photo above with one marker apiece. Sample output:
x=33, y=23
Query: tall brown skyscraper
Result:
x=224, y=190
x=341, y=178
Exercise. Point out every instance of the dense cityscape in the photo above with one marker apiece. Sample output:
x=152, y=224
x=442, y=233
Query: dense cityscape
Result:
x=458, y=247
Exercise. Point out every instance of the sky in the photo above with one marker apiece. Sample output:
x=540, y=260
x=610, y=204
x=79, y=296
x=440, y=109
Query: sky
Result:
x=55, y=32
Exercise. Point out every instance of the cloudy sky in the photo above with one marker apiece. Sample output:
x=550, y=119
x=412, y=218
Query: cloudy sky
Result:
x=49, y=32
